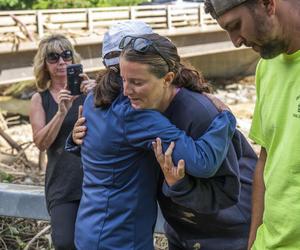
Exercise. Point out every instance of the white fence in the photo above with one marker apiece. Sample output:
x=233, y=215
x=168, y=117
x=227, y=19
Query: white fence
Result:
x=32, y=25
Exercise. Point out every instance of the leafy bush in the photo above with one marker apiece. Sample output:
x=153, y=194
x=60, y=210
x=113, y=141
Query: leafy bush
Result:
x=102, y=3
x=16, y=4
x=62, y=4
x=4, y=177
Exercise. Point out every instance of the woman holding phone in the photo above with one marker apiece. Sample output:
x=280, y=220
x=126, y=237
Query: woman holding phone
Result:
x=53, y=112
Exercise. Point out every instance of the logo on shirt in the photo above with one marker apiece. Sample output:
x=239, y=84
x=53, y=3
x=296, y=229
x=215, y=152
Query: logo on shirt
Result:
x=297, y=113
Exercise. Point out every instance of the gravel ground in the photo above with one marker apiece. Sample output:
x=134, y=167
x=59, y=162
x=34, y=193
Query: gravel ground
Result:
x=240, y=97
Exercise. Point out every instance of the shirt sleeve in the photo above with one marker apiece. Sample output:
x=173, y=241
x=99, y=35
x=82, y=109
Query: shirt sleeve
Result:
x=71, y=147
x=207, y=195
x=202, y=156
x=256, y=133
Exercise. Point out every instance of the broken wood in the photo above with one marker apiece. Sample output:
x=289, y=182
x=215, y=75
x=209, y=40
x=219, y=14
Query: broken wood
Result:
x=3, y=123
x=10, y=141
x=22, y=27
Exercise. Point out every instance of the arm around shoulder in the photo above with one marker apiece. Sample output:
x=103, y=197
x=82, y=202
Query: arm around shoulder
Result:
x=208, y=151
x=202, y=157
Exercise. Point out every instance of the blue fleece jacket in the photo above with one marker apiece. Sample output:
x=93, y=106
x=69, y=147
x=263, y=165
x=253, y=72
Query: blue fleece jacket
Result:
x=118, y=206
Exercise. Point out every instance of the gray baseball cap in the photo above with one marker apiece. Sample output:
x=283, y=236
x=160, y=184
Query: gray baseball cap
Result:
x=221, y=6
x=114, y=35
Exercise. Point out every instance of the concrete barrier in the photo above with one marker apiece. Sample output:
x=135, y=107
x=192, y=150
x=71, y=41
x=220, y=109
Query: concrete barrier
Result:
x=27, y=201
x=209, y=52
x=23, y=201
x=16, y=65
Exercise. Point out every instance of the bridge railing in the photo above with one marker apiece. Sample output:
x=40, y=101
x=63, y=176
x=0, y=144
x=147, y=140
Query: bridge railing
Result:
x=27, y=201
x=35, y=24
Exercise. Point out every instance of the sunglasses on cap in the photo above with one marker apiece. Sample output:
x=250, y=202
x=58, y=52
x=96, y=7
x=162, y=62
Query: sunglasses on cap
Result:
x=53, y=57
x=141, y=45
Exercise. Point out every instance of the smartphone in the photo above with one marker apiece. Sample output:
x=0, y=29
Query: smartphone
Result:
x=74, y=80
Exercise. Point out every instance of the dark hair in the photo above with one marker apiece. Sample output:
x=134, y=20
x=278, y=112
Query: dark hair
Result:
x=184, y=76
x=108, y=87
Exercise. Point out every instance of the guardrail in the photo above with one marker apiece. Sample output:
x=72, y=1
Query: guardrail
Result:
x=32, y=25
x=27, y=201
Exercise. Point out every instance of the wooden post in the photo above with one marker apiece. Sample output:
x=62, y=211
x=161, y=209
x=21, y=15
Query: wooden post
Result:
x=201, y=15
x=39, y=23
x=132, y=11
x=89, y=17
x=169, y=17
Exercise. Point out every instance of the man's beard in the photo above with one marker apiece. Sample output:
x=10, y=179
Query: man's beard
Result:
x=272, y=48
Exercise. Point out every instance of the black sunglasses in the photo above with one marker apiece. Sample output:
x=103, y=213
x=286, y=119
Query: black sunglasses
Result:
x=142, y=45
x=53, y=57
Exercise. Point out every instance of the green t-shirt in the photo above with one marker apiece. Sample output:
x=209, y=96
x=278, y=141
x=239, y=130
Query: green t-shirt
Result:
x=276, y=127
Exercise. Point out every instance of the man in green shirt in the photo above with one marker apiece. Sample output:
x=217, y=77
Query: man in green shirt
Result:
x=271, y=28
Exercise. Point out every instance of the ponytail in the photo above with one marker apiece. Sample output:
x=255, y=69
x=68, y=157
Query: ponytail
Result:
x=109, y=85
x=191, y=79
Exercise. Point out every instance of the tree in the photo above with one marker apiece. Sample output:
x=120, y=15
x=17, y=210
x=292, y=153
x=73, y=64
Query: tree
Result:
x=62, y=4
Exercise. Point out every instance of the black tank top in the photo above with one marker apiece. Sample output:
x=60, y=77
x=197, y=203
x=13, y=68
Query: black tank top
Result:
x=64, y=175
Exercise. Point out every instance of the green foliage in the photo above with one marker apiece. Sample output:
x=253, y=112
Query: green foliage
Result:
x=15, y=4
x=102, y=3
x=62, y=4
x=4, y=177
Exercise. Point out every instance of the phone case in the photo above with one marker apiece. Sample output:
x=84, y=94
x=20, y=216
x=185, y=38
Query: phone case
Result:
x=74, y=80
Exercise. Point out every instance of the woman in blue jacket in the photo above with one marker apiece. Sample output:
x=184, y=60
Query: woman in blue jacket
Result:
x=118, y=207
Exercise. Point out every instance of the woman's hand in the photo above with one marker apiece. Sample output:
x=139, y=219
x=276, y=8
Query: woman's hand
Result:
x=172, y=173
x=79, y=129
x=87, y=84
x=221, y=106
x=65, y=100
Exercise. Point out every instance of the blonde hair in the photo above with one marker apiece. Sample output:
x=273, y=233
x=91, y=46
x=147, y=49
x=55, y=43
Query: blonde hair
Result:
x=52, y=43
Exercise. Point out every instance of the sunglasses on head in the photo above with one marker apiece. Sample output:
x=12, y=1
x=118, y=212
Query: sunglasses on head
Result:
x=141, y=45
x=53, y=57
